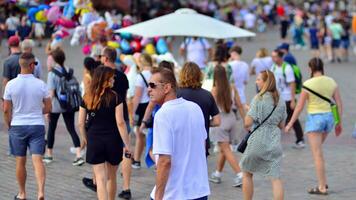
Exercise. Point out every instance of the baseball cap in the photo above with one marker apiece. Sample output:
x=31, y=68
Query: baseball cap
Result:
x=13, y=41
x=284, y=46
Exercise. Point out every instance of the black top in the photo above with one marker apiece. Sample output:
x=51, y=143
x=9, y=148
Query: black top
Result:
x=104, y=121
x=205, y=101
x=121, y=85
x=12, y=66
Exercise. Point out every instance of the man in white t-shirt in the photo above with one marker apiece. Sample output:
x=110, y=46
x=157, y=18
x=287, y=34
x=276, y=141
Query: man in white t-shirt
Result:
x=285, y=81
x=26, y=99
x=197, y=50
x=250, y=20
x=178, y=143
x=240, y=71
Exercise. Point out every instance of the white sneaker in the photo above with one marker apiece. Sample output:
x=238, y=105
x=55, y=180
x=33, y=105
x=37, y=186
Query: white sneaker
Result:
x=237, y=181
x=214, y=178
x=299, y=145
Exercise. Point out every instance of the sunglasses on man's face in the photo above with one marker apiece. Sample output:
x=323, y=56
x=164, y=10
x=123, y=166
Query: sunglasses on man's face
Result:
x=153, y=85
x=35, y=63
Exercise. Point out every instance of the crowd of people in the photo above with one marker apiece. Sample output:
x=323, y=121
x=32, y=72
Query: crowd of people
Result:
x=174, y=114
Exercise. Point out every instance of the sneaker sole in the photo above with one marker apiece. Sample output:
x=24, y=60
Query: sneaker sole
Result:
x=214, y=181
x=78, y=164
x=135, y=167
x=237, y=185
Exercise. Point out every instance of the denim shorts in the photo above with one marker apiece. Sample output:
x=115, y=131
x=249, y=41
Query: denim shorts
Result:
x=320, y=122
x=23, y=137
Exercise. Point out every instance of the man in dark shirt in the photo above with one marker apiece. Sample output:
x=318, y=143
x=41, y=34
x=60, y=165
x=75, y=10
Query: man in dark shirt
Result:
x=191, y=90
x=11, y=64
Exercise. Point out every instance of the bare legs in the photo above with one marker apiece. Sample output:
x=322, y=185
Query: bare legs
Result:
x=21, y=175
x=316, y=140
x=140, y=139
x=247, y=187
x=105, y=175
x=226, y=154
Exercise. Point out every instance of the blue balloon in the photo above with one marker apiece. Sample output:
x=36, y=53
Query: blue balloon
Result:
x=161, y=46
x=126, y=36
x=31, y=14
x=69, y=10
x=115, y=26
x=43, y=7
x=125, y=46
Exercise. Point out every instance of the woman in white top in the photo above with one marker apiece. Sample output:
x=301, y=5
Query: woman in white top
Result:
x=140, y=102
x=261, y=62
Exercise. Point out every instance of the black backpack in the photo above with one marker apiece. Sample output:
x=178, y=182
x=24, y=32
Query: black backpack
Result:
x=68, y=93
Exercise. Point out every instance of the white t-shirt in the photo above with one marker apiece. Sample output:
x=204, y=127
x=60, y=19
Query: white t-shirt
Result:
x=283, y=81
x=141, y=83
x=26, y=94
x=250, y=20
x=179, y=131
x=262, y=64
x=197, y=50
x=12, y=23
x=240, y=74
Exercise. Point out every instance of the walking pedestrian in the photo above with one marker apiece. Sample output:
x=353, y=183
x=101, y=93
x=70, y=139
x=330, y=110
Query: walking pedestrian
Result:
x=196, y=50
x=261, y=62
x=103, y=130
x=320, y=119
x=225, y=94
x=27, y=46
x=240, y=72
x=11, y=64
x=26, y=99
x=286, y=85
x=263, y=153
x=336, y=31
x=190, y=88
x=54, y=82
x=140, y=103
x=179, y=142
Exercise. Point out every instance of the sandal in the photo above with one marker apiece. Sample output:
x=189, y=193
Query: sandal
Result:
x=317, y=191
x=17, y=198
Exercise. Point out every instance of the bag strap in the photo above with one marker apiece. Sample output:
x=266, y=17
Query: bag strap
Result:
x=258, y=126
x=58, y=73
x=318, y=95
x=144, y=79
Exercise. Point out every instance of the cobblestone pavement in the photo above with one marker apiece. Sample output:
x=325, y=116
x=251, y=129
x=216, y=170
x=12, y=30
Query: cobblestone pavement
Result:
x=64, y=180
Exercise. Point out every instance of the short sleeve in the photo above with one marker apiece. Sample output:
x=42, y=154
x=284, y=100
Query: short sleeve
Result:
x=7, y=71
x=45, y=91
x=83, y=105
x=253, y=111
x=253, y=63
x=50, y=81
x=289, y=74
x=162, y=136
x=139, y=81
x=118, y=100
x=7, y=92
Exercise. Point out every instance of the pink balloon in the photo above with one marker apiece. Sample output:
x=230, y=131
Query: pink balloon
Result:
x=62, y=33
x=86, y=49
x=66, y=23
x=53, y=14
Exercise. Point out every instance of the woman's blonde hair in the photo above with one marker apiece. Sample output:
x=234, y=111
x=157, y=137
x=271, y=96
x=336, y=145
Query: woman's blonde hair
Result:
x=223, y=96
x=269, y=86
x=261, y=53
x=145, y=60
x=190, y=76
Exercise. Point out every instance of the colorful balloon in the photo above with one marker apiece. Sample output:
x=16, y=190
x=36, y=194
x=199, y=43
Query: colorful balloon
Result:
x=31, y=14
x=125, y=47
x=126, y=36
x=86, y=49
x=40, y=16
x=113, y=44
x=145, y=41
x=66, y=23
x=150, y=49
x=161, y=46
x=53, y=14
x=135, y=46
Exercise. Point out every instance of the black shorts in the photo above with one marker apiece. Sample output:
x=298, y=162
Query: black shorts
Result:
x=104, y=148
x=140, y=112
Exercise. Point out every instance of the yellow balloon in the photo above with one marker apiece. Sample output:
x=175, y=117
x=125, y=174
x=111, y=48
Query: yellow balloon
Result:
x=41, y=16
x=150, y=49
x=113, y=44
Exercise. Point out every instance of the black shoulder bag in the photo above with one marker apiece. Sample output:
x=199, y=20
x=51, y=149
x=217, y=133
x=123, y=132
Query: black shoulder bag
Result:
x=243, y=144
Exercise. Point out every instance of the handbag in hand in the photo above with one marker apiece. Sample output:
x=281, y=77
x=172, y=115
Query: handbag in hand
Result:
x=243, y=144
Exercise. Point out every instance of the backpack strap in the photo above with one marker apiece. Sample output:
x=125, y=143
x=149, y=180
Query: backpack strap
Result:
x=56, y=72
x=144, y=80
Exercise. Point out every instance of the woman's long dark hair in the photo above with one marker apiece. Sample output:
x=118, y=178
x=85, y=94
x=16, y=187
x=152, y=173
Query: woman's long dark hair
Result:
x=223, y=96
x=316, y=65
x=99, y=92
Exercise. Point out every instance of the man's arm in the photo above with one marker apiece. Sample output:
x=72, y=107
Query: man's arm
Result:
x=47, y=105
x=7, y=113
x=163, y=169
